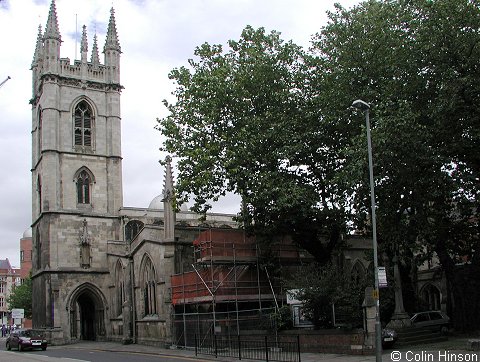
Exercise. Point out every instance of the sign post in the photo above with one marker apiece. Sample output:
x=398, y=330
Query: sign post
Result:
x=18, y=315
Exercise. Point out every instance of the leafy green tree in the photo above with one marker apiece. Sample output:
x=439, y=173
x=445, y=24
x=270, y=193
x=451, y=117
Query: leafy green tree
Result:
x=273, y=123
x=21, y=297
x=416, y=62
x=243, y=123
x=321, y=287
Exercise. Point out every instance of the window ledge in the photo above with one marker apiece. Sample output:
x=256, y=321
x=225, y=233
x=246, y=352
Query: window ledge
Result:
x=85, y=206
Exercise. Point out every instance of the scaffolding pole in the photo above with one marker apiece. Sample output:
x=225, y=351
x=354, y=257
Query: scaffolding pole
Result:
x=212, y=293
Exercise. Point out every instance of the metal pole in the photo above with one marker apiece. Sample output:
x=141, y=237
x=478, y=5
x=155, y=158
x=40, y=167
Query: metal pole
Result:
x=239, y=347
x=5, y=81
x=196, y=345
x=378, y=327
x=212, y=293
x=266, y=348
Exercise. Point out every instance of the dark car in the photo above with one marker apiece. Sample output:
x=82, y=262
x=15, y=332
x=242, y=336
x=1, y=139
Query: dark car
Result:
x=433, y=319
x=25, y=339
x=389, y=337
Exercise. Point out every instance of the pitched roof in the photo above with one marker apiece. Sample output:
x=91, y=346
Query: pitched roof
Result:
x=5, y=265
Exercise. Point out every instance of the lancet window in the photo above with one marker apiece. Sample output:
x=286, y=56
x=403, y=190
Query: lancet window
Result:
x=83, y=120
x=84, y=180
x=149, y=288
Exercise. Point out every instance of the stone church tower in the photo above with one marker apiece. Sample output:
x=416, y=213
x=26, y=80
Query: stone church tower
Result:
x=76, y=181
x=100, y=270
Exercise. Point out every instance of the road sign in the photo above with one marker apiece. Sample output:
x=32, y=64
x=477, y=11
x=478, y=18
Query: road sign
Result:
x=18, y=313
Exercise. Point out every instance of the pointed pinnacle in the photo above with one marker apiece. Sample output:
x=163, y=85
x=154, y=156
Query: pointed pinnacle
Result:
x=168, y=186
x=51, y=30
x=95, y=60
x=84, y=42
x=111, y=41
x=38, y=46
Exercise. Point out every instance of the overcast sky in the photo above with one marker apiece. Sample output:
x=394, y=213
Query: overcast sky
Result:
x=156, y=36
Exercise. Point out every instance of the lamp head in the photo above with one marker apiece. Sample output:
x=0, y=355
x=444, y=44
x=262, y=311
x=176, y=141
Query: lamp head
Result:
x=361, y=105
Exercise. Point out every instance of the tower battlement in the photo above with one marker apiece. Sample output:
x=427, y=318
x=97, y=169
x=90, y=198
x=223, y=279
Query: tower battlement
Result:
x=94, y=72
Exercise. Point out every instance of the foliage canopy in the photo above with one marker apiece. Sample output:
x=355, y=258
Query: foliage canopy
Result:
x=272, y=122
x=21, y=298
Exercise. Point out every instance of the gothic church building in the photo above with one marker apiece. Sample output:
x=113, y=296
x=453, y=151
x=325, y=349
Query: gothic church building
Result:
x=101, y=271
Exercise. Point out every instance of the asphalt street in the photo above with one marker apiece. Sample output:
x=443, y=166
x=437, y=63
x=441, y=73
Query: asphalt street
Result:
x=453, y=350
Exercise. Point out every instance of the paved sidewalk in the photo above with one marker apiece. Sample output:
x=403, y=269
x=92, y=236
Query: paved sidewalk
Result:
x=138, y=348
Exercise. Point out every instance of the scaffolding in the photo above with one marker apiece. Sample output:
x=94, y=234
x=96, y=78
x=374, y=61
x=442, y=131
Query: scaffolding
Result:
x=227, y=290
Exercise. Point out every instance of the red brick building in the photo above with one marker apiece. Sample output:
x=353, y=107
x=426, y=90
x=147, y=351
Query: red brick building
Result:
x=9, y=277
x=26, y=262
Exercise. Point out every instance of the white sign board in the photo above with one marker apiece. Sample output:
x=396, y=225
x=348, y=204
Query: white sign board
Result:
x=382, y=277
x=18, y=313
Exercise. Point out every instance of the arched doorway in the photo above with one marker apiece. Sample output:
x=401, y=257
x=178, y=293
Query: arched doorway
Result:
x=87, y=317
x=87, y=313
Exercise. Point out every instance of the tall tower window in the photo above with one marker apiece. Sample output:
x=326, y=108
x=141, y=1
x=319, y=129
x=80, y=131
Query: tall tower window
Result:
x=40, y=115
x=83, y=125
x=84, y=179
x=38, y=248
x=39, y=194
x=83, y=188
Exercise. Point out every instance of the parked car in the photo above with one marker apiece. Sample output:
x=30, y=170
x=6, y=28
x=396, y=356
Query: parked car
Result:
x=25, y=339
x=389, y=337
x=433, y=319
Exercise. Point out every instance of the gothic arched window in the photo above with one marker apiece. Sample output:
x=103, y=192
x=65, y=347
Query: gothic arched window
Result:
x=83, y=125
x=431, y=296
x=132, y=229
x=39, y=128
x=149, y=288
x=39, y=194
x=38, y=249
x=84, y=180
x=83, y=188
x=358, y=273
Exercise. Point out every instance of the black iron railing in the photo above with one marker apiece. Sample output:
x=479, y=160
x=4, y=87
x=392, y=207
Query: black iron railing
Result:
x=263, y=348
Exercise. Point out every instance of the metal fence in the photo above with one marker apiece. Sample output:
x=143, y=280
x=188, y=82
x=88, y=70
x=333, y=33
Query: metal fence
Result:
x=263, y=348
x=189, y=325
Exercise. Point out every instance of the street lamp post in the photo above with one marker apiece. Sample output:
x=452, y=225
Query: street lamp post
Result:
x=364, y=106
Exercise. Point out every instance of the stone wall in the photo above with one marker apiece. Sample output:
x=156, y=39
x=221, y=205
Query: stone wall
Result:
x=330, y=341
